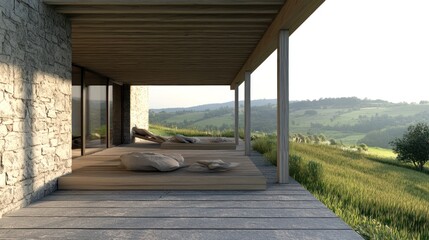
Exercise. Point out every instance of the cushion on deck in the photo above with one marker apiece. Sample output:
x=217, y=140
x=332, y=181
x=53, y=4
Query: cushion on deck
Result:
x=149, y=161
x=216, y=165
x=183, y=139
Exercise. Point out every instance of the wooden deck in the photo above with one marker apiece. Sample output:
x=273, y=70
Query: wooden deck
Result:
x=101, y=171
x=280, y=212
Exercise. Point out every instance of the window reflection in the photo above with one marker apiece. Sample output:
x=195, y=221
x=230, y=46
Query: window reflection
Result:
x=96, y=111
x=97, y=126
x=76, y=112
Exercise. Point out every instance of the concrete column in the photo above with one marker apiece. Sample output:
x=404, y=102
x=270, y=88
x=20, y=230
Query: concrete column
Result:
x=135, y=110
x=283, y=107
x=236, y=116
x=247, y=107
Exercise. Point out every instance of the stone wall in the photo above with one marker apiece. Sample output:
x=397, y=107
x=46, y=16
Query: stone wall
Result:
x=139, y=106
x=135, y=110
x=35, y=101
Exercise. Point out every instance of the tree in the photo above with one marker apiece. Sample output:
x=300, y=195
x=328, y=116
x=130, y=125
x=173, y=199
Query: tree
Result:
x=414, y=145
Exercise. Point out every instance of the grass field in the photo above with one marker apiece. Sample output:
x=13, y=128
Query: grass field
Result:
x=167, y=131
x=379, y=200
x=382, y=153
x=214, y=121
x=189, y=116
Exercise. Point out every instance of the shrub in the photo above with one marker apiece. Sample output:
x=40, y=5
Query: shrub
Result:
x=272, y=156
x=314, y=172
x=363, y=146
x=295, y=167
x=307, y=173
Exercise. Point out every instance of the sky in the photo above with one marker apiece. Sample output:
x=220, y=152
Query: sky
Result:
x=375, y=49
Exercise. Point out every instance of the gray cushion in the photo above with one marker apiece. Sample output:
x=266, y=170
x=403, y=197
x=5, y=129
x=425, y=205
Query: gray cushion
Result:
x=182, y=139
x=212, y=166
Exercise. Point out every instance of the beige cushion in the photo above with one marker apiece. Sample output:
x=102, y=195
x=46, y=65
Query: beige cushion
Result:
x=141, y=161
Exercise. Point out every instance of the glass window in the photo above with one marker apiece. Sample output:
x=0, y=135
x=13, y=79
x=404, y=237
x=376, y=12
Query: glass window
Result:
x=76, y=112
x=96, y=112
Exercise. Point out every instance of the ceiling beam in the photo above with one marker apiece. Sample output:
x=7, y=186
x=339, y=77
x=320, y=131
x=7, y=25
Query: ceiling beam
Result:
x=175, y=25
x=163, y=2
x=166, y=31
x=171, y=18
x=191, y=10
x=166, y=35
x=291, y=16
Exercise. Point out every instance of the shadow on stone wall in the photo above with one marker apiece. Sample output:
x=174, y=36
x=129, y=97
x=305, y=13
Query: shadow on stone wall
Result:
x=35, y=101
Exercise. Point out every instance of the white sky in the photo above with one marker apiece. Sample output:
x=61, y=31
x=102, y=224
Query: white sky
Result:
x=376, y=49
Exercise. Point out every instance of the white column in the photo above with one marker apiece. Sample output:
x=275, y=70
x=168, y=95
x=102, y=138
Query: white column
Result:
x=236, y=111
x=283, y=107
x=247, y=144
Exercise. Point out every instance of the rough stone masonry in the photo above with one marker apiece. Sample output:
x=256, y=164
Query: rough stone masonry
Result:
x=35, y=101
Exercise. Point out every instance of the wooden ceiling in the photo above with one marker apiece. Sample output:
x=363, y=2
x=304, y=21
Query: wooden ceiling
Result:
x=178, y=42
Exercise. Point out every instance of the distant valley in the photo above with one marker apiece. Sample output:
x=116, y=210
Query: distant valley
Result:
x=350, y=120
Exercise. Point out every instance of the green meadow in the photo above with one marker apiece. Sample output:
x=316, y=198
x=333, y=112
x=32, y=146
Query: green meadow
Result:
x=380, y=200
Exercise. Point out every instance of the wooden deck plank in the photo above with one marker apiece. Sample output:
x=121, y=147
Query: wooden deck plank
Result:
x=174, y=223
x=172, y=197
x=181, y=193
x=173, y=212
x=102, y=234
x=170, y=187
x=179, y=204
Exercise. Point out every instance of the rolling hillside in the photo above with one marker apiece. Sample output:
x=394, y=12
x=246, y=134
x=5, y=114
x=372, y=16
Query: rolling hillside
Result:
x=350, y=120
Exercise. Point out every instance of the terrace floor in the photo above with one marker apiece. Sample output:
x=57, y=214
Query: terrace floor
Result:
x=102, y=171
x=280, y=212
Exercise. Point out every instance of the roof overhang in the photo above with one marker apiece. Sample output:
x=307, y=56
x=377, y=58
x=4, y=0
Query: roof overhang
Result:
x=179, y=42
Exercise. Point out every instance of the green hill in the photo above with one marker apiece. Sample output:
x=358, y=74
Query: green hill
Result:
x=350, y=120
